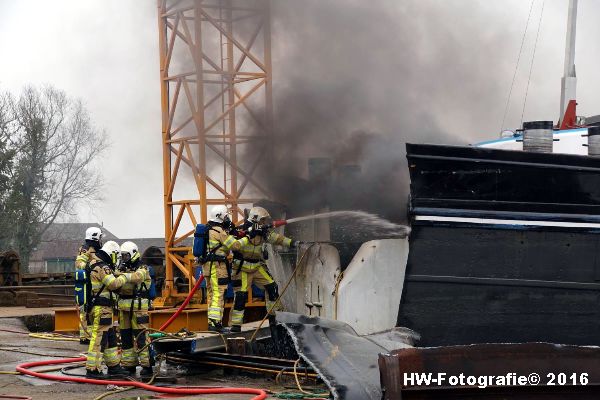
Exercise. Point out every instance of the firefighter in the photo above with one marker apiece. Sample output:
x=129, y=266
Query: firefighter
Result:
x=215, y=264
x=103, y=340
x=134, y=302
x=250, y=265
x=93, y=243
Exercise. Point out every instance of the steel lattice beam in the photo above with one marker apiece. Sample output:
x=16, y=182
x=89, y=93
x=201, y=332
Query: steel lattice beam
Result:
x=215, y=76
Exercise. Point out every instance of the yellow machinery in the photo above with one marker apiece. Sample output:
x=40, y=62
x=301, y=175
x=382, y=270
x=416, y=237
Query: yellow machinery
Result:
x=66, y=319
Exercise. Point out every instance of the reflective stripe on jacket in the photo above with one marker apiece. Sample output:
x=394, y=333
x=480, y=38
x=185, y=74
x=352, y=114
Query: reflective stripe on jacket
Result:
x=86, y=255
x=220, y=242
x=102, y=275
x=140, y=282
x=252, y=249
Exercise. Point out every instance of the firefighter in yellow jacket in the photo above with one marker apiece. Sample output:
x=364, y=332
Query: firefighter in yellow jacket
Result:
x=250, y=265
x=134, y=301
x=215, y=268
x=103, y=341
x=86, y=255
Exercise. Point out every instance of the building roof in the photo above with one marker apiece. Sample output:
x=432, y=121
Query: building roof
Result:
x=144, y=243
x=73, y=231
x=62, y=241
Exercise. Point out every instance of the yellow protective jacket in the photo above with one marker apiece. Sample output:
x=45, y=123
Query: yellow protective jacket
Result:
x=220, y=242
x=85, y=256
x=251, y=250
x=134, y=295
x=104, y=282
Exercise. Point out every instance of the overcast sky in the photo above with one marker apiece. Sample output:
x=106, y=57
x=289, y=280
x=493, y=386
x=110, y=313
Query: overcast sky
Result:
x=456, y=56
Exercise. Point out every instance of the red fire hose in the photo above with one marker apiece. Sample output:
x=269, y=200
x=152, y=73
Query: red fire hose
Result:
x=24, y=369
x=183, y=305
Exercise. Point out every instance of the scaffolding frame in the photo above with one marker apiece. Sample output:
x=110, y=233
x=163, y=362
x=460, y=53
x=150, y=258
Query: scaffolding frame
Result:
x=208, y=100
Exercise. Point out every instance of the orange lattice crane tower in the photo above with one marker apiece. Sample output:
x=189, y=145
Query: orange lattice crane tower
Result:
x=216, y=102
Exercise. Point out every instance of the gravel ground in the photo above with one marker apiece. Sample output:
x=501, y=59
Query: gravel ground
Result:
x=14, y=345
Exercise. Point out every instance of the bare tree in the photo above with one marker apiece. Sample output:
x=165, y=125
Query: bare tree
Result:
x=7, y=155
x=56, y=145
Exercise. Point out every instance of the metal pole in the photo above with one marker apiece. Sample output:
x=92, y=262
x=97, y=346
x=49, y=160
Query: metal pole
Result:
x=164, y=99
x=569, y=79
x=232, y=115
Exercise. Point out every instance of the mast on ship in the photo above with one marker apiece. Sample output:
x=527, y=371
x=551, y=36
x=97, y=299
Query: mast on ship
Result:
x=568, y=104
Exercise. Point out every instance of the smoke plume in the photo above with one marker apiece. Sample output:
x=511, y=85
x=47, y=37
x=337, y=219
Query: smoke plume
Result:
x=355, y=80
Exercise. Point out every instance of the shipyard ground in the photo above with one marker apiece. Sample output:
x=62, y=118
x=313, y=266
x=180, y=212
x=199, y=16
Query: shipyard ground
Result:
x=14, y=349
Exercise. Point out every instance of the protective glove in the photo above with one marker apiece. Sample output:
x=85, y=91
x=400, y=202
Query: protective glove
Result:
x=252, y=232
x=264, y=231
x=233, y=230
x=228, y=225
x=247, y=224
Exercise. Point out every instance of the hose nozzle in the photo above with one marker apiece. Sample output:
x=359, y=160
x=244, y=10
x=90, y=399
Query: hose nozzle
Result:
x=279, y=222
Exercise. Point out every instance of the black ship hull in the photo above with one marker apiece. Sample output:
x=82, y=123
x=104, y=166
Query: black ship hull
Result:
x=505, y=247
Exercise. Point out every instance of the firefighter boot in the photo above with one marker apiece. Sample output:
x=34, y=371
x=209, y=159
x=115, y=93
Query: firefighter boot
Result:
x=94, y=374
x=117, y=370
x=131, y=370
x=215, y=326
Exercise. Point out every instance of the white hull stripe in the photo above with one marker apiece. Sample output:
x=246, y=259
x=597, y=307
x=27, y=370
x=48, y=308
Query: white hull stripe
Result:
x=517, y=222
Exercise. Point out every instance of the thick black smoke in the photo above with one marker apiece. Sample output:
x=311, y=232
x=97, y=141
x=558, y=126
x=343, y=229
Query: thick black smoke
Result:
x=355, y=80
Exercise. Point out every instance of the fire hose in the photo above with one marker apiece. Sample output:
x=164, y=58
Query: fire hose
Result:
x=25, y=369
x=183, y=305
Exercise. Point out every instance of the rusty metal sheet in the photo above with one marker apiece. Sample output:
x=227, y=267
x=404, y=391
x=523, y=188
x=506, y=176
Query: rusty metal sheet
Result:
x=546, y=360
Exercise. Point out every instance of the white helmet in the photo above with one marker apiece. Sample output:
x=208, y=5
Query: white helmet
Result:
x=93, y=233
x=259, y=215
x=131, y=249
x=219, y=214
x=112, y=249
